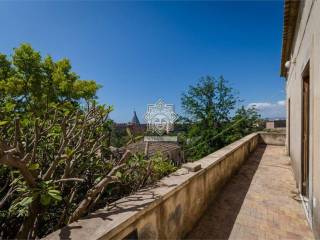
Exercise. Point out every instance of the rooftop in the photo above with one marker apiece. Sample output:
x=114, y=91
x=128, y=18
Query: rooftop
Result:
x=135, y=119
x=153, y=147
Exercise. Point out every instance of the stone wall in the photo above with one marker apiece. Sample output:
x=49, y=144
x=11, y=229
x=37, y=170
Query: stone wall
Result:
x=170, y=209
x=273, y=138
x=305, y=51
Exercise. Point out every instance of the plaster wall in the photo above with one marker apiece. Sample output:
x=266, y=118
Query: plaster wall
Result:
x=271, y=138
x=306, y=49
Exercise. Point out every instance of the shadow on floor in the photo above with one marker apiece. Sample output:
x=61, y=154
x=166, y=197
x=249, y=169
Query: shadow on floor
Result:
x=219, y=219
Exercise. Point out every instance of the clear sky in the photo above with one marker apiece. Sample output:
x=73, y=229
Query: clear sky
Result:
x=143, y=51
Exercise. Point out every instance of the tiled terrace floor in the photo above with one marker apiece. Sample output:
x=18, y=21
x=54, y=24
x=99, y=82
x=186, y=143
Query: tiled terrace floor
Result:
x=259, y=202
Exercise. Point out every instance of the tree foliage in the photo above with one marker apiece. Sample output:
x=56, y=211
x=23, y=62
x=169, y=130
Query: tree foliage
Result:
x=30, y=83
x=55, y=162
x=208, y=105
x=209, y=102
x=244, y=122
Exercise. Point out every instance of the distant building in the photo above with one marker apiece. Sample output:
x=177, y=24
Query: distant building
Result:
x=271, y=124
x=170, y=150
x=135, y=119
x=134, y=125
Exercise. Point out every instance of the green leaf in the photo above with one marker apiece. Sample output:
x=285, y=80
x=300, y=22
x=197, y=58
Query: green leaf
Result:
x=138, y=138
x=34, y=166
x=9, y=106
x=55, y=196
x=45, y=199
x=48, y=182
x=129, y=132
x=2, y=123
x=118, y=174
x=20, y=189
x=16, y=180
x=26, y=201
x=98, y=179
x=54, y=191
x=70, y=152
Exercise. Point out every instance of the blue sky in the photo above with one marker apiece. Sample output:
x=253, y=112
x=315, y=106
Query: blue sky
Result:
x=143, y=51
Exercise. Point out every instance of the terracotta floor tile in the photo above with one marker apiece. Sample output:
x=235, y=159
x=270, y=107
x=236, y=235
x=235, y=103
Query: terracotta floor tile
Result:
x=259, y=202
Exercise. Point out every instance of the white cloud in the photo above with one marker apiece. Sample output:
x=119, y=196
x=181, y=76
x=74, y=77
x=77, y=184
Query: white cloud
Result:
x=270, y=110
x=259, y=105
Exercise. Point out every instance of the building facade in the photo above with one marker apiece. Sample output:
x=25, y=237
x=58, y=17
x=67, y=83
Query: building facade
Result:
x=300, y=65
x=271, y=124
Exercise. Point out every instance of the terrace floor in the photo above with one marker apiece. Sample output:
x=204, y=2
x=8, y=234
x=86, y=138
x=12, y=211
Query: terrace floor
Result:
x=259, y=202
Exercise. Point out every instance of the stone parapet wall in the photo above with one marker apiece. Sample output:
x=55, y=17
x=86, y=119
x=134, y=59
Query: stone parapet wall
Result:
x=273, y=138
x=170, y=209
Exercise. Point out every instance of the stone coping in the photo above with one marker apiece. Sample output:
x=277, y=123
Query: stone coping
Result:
x=273, y=138
x=109, y=221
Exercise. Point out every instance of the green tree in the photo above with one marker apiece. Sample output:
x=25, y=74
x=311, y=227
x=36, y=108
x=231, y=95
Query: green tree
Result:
x=244, y=122
x=44, y=127
x=208, y=105
x=30, y=83
x=55, y=161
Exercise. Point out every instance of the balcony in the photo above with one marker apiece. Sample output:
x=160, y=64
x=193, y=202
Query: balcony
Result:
x=259, y=202
x=243, y=191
